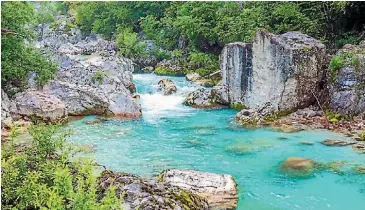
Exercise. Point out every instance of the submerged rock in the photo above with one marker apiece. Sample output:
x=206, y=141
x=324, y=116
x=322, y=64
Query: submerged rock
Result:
x=298, y=167
x=168, y=86
x=142, y=193
x=220, y=190
x=280, y=69
x=36, y=104
x=337, y=143
x=359, y=148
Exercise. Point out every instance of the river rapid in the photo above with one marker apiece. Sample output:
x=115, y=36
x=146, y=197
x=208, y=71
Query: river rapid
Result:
x=171, y=135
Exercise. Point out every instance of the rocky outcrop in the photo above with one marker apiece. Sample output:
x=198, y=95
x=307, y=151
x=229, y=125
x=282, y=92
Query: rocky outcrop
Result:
x=6, y=118
x=169, y=67
x=38, y=105
x=168, y=86
x=281, y=69
x=200, y=98
x=142, y=193
x=347, y=80
x=92, y=77
x=220, y=190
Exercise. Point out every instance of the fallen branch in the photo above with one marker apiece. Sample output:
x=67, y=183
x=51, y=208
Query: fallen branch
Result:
x=320, y=106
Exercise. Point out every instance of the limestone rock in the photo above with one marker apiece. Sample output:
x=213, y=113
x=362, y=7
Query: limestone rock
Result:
x=337, y=143
x=86, y=100
x=280, y=69
x=220, y=93
x=6, y=118
x=220, y=190
x=38, y=104
x=200, y=98
x=148, y=194
x=192, y=77
x=168, y=86
x=169, y=67
x=346, y=85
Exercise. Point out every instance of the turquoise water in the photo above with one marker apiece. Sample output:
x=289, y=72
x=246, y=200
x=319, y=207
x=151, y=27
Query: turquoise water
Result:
x=170, y=135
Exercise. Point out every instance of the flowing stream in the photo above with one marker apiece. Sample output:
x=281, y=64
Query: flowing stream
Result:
x=171, y=135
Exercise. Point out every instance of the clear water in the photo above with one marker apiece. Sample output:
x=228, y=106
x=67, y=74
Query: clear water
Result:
x=170, y=135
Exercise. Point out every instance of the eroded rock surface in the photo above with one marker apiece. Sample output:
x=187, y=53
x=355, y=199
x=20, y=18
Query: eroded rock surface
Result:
x=192, y=77
x=336, y=143
x=280, y=69
x=149, y=194
x=36, y=104
x=220, y=190
x=296, y=166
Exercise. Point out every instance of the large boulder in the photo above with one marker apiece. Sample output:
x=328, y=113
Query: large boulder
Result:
x=169, y=67
x=281, y=69
x=6, y=118
x=168, y=86
x=200, y=98
x=220, y=190
x=36, y=104
x=142, y=193
x=347, y=80
x=86, y=100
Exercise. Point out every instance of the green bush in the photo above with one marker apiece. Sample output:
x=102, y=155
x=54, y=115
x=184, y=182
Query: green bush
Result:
x=161, y=54
x=129, y=44
x=237, y=106
x=348, y=38
x=41, y=175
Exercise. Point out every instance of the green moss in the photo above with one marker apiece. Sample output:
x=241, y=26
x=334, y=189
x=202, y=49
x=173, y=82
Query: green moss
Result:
x=237, y=106
x=250, y=123
x=334, y=117
x=276, y=115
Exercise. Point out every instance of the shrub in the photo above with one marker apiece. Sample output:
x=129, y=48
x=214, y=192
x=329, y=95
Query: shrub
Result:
x=129, y=44
x=41, y=175
x=348, y=38
x=98, y=77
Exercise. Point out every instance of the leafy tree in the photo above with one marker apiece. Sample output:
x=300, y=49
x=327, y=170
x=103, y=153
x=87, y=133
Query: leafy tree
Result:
x=17, y=57
x=129, y=43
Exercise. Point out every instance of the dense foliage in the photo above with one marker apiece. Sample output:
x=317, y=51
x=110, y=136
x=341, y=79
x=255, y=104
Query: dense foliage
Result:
x=42, y=176
x=205, y=27
x=18, y=57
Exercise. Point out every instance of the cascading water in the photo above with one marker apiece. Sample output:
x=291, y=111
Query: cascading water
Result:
x=171, y=135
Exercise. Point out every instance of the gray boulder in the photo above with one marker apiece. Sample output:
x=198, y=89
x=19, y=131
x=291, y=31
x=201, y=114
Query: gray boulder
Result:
x=200, y=98
x=347, y=84
x=220, y=190
x=140, y=193
x=168, y=86
x=281, y=69
x=36, y=104
x=6, y=118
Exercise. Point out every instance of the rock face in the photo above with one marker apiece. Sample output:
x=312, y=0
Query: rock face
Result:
x=38, y=104
x=167, y=86
x=347, y=84
x=6, y=118
x=220, y=190
x=92, y=77
x=148, y=194
x=282, y=70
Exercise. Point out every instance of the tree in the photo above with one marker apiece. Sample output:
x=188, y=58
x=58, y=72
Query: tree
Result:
x=17, y=57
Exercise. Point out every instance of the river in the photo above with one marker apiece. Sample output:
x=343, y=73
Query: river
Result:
x=171, y=135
